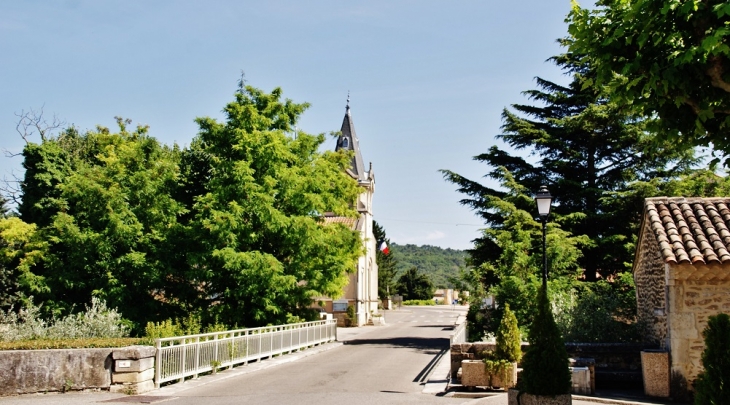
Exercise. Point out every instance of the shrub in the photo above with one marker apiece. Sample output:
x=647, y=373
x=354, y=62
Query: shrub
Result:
x=509, y=344
x=712, y=386
x=351, y=316
x=419, y=302
x=96, y=322
x=602, y=312
x=545, y=365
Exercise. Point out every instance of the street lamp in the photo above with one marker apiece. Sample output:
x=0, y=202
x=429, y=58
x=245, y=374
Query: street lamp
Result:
x=543, y=200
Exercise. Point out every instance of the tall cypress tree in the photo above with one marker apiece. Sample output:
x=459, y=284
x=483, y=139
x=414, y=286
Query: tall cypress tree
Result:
x=386, y=264
x=586, y=147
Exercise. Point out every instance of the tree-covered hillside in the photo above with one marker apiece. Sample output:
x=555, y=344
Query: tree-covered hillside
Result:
x=437, y=263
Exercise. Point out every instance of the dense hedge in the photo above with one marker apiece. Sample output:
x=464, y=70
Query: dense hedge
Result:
x=95, y=343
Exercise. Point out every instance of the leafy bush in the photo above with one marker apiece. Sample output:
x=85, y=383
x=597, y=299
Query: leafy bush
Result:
x=88, y=343
x=509, y=344
x=351, y=316
x=418, y=302
x=96, y=322
x=545, y=365
x=498, y=367
x=712, y=386
x=602, y=312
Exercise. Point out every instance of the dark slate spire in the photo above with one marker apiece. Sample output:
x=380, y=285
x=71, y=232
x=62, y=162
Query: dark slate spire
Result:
x=348, y=141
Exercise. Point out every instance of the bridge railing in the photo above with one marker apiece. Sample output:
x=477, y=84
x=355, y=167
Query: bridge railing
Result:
x=459, y=335
x=187, y=356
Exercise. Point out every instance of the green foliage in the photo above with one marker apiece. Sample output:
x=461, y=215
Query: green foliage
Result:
x=351, y=316
x=103, y=202
x=440, y=265
x=419, y=302
x=232, y=224
x=603, y=312
x=264, y=251
x=86, y=343
x=662, y=58
x=712, y=386
x=414, y=285
x=499, y=368
x=387, y=264
x=545, y=364
x=508, y=341
x=20, y=249
x=97, y=321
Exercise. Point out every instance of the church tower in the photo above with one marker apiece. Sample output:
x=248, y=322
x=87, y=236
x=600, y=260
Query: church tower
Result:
x=362, y=289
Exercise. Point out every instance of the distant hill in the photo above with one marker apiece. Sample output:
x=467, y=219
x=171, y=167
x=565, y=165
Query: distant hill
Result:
x=438, y=263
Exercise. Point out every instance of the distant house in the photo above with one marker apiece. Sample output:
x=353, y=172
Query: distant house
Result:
x=682, y=275
x=362, y=289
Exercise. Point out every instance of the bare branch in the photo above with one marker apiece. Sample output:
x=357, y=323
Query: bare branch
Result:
x=10, y=189
x=9, y=154
x=32, y=121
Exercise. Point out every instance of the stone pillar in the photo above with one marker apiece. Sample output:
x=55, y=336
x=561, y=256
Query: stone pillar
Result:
x=134, y=370
x=655, y=370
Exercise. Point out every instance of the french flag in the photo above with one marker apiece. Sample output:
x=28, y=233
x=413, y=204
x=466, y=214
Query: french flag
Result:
x=384, y=248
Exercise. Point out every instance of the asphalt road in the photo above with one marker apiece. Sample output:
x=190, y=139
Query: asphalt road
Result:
x=376, y=365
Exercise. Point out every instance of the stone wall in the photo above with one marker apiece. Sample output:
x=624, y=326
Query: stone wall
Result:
x=649, y=277
x=128, y=370
x=695, y=293
x=29, y=371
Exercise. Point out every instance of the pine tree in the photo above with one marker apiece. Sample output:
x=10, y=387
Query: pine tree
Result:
x=713, y=385
x=545, y=365
x=585, y=147
x=509, y=344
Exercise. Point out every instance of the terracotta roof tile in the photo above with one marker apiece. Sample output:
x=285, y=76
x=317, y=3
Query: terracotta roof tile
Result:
x=690, y=230
x=348, y=222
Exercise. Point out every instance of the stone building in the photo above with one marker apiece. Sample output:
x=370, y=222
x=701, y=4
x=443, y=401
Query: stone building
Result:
x=362, y=288
x=682, y=275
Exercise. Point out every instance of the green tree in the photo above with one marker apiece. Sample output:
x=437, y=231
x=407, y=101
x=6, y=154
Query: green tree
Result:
x=264, y=250
x=104, y=202
x=664, y=58
x=713, y=384
x=20, y=250
x=586, y=147
x=414, y=285
x=508, y=341
x=386, y=264
x=545, y=364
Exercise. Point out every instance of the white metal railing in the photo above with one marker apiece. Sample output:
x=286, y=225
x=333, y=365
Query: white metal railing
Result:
x=459, y=335
x=185, y=356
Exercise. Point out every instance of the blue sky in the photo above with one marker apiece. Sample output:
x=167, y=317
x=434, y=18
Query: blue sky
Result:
x=427, y=79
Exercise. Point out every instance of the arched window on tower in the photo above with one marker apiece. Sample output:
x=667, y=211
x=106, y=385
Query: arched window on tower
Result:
x=345, y=143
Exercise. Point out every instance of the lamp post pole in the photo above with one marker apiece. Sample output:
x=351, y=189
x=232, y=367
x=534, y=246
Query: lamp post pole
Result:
x=544, y=201
x=544, y=253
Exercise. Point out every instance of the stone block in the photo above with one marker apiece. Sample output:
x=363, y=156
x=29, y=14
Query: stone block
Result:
x=474, y=374
x=133, y=388
x=134, y=352
x=580, y=381
x=134, y=377
x=682, y=326
x=127, y=366
x=655, y=370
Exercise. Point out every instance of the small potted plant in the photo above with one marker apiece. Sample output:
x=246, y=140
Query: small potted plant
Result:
x=498, y=368
x=545, y=377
